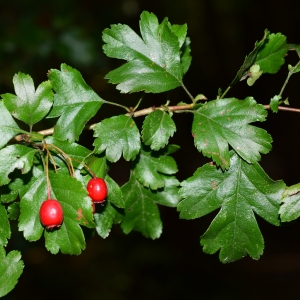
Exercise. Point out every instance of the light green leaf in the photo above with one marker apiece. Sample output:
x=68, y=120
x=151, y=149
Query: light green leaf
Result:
x=239, y=192
x=150, y=168
x=115, y=136
x=11, y=268
x=15, y=157
x=224, y=122
x=29, y=105
x=158, y=127
x=255, y=73
x=153, y=63
x=141, y=213
x=275, y=101
x=75, y=102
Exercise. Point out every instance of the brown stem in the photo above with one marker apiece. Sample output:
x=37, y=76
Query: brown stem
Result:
x=284, y=108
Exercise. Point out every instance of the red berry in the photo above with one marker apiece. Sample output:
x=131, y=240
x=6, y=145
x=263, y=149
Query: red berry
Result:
x=51, y=214
x=97, y=189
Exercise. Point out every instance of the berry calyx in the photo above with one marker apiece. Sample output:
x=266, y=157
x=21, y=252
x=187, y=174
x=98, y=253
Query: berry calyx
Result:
x=51, y=214
x=97, y=189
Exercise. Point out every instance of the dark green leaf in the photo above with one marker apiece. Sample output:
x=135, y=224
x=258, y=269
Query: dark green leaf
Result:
x=271, y=57
x=105, y=219
x=8, y=127
x=15, y=157
x=11, y=267
x=239, y=192
x=224, y=122
x=4, y=226
x=29, y=105
x=75, y=102
x=114, y=195
x=117, y=135
x=141, y=213
x=153, y=63
x=11, y=191
x=158, y=127
x=186, y=57
x=151, y=166
x=250, y=59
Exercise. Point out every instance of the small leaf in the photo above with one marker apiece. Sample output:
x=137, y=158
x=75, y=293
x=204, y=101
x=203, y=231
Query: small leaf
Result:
x=275, y=103
x=158, y=127
x=255, y=73
x=271, y=57
x=239, y=192
x=151, y=166
x=115, y=136
x=153, y=63
x=4, y=226
x=75, y=102
x=11, y=268
x=15, y=157
x=14, y=211
x=8, y=127
x=224, y=122
x=29, y=105
x=141, y=213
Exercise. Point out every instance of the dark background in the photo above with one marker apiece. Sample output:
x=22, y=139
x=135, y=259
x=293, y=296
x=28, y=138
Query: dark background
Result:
x=38, y=35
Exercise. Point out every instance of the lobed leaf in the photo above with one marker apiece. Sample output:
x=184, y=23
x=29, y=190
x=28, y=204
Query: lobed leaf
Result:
x=141, y=212
x=151, y=167
x=29, y=105
x=271, y=57
x=75, y=103
x=15, y=157
x=224, y=122
x=11, y=268
x=116, y=136
x=8, y=127
x=239, y=192
x=158, y=127
x=153, y=62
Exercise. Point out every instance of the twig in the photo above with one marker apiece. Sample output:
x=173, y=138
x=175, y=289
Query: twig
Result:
x=284, y=108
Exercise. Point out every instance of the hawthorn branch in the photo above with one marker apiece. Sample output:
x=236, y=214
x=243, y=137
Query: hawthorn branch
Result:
x=284, y=108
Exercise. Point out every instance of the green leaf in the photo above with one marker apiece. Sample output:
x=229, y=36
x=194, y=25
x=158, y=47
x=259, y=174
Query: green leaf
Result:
x=254, y=74
x=224, y=122
x=186, y=57
x=15, y=157
x=76, y=206
x=141, y=213
x=11, y=191
x=14, y=211
x=275, y=103
x=4, y=226
x=150, y=168
x=115, y=136
x=290, y=208
x=250, y=59
x=11, y=267
x=75, y=102
x=8, y=127
x=239, y=192
x=271, y=57
x=153, y=63
x=105, y=219
x=114, y=195
x=158, y=127
x=29, y=105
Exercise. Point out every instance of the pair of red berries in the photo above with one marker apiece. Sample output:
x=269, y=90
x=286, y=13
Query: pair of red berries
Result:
x=51, y=212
